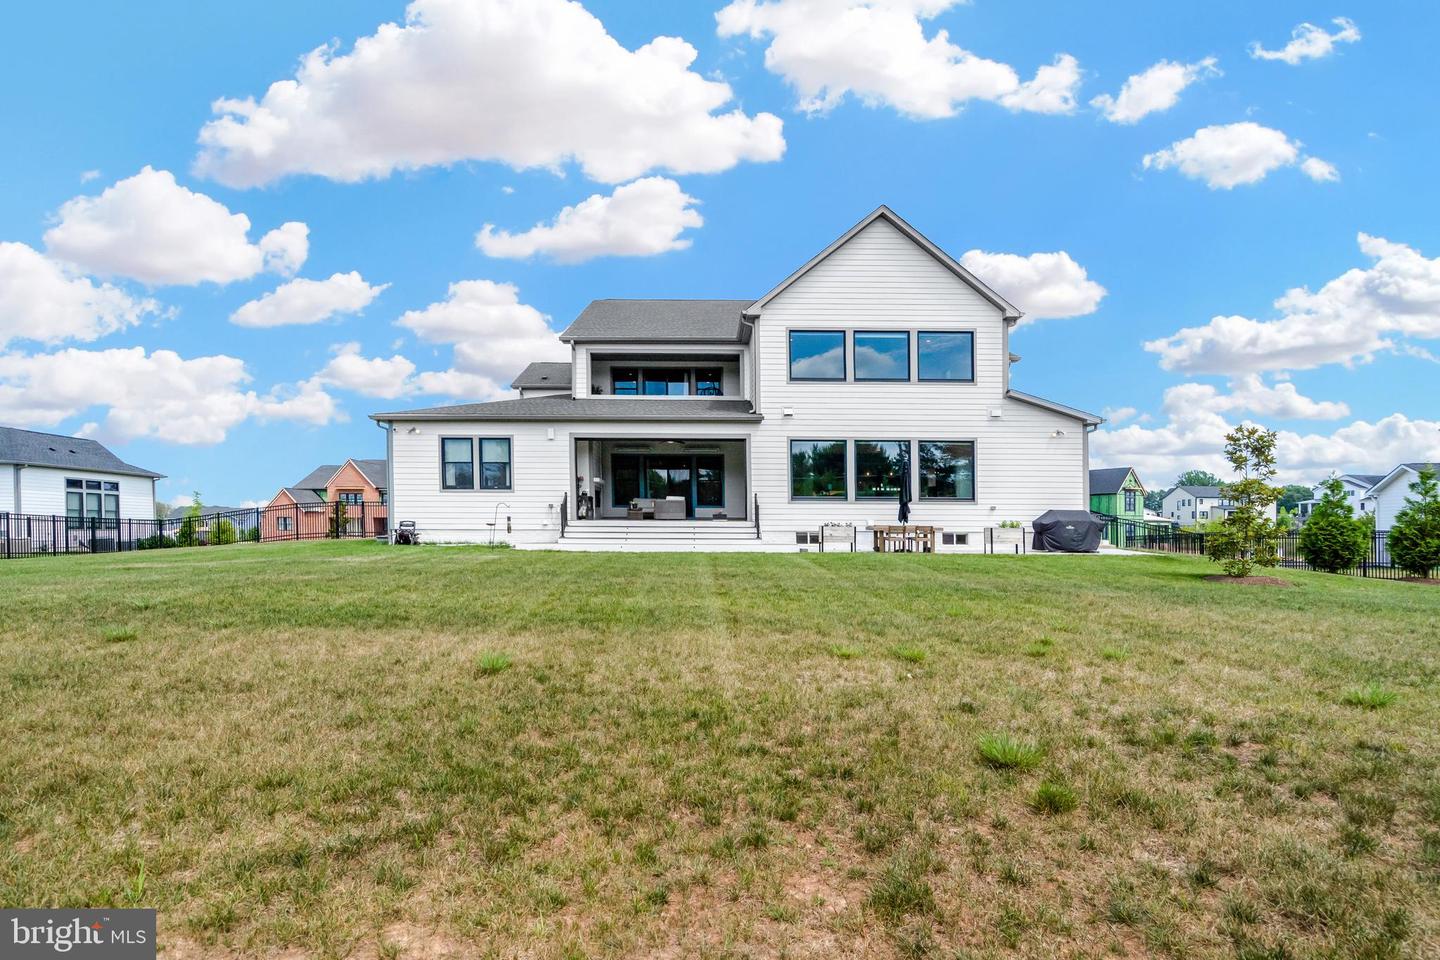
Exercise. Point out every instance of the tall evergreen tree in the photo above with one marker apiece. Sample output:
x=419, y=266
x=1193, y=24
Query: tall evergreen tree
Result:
x=1414, y=539
x=1332, y=539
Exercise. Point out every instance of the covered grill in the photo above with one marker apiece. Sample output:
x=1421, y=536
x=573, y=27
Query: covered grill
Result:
x=1068, y=531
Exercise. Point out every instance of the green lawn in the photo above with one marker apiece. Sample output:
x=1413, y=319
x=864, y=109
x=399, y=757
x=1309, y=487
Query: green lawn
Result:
x=343, y=749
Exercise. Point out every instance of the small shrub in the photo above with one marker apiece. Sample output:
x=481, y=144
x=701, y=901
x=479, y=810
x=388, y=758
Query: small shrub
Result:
x=222, y=533
x=908, y=653
x=1414, y=540
x=490, y=664
x=1004, y=752
x=1372, y=696
x=119, y=635
x=1332, y=539
x=1052, y=797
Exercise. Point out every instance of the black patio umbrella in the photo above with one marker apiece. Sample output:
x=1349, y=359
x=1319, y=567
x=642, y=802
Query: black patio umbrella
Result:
x=904, y=489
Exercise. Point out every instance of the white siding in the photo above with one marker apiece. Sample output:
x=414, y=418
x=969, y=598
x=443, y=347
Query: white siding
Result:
x=42, y=491
x=7, y=488
x=1390, y=499
x=541, y=475
x=880, y=280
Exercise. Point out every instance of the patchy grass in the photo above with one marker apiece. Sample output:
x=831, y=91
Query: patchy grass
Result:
x=715, y=757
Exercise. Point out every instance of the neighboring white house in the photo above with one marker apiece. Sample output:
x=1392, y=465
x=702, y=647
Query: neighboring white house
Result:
x=1387, y=497
x=1355, y=485
x=1189, y=506
x=47, y=474
x=880, y=362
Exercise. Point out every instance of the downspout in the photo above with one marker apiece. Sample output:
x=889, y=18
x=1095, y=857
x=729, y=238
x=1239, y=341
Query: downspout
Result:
x=1085, y=467
x=389, y=480
x=16, y=501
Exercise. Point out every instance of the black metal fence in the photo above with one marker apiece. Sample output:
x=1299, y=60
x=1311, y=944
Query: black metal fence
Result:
x=33, y=535
x=1139, y=535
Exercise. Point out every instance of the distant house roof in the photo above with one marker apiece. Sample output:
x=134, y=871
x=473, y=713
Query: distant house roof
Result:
x=317, y=479
x=544, y=374
x=1366, y=479
x=1110, y=479
x=584, y=408
x=1208, y=492
x=671, y=320
x=206, y=509
x=53, y=450
x=1386, y=480
x=307, y=498
x=374, y=471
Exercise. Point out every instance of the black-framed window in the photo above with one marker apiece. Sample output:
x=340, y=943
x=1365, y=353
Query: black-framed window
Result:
x=625, y=381
x=495, y=463
x=946, y=355
x=709, y=382
x=457, y=463
x=882, y=355
x=1130, y=498
x=352, y=498
x=666, y=382
x=817, y=469
x=880, y=467
x=817, y=354
x=947, y=470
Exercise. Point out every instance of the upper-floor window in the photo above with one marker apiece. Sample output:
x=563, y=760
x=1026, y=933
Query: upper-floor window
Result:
x=666, y=381
x=946, y=355
x=882, y=356
x=817, y=354
x=352, y=498
x=1129, y=501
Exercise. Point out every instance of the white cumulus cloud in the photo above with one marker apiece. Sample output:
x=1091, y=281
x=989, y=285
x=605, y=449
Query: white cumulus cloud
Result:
x=877, y=51
x=41, y=300
x=158, y=395
x=149, y=228
x=1319, y=170
x=1309, y=42
x=494, y=336
x=1348, y=320
x=1155, y=90
x=308, y=301
x=1043, y=285
x=1232, y=155
x=349, y=369
x=528, y=83
x=638, y=219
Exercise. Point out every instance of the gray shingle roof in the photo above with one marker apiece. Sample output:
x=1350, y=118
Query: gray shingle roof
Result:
x=1369, y=479
x=206, y=510
x=54, y=450
x=1108, y=479
x=697, y=320
x=543, y=374
x=307, y=498
x=1200, y=491
x=374, y=471
x=317, y=478
x=584, y=408
x=1067, y=410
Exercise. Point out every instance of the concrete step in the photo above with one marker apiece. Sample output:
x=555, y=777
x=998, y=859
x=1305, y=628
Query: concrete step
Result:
x=669, y=546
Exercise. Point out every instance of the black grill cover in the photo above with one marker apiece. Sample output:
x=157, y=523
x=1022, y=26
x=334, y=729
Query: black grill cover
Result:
x=1071, y=531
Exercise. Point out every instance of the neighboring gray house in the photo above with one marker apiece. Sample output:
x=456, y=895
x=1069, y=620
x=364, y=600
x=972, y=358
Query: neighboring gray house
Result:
x=753, y=423
x=47, y=474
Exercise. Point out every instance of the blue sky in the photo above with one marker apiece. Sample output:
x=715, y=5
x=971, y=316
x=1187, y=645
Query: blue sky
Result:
x=1333, y=139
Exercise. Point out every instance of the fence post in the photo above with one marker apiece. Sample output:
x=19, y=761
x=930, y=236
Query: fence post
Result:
x=7, y=535
x=295, y=520
x=363, y=527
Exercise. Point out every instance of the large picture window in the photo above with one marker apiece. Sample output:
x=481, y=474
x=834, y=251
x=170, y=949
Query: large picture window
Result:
x=947, y=470
x=457, y=463
x=946, y=356
x=817, y=355
x=495, y=464
x=882, y=356
x=817, y=469
x=879, y=467
x=660, y=382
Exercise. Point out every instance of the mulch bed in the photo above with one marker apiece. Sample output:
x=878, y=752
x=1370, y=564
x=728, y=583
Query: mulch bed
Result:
x=1256, y=581
x=1432, y=581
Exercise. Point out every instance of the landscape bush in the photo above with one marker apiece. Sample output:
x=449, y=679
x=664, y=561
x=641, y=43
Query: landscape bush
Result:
x=1247, y=538
x=222, y=532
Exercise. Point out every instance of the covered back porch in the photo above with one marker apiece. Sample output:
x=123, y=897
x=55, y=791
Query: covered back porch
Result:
x=709, y=476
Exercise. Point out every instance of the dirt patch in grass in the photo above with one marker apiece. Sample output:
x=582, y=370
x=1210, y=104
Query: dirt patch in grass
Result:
x=1429, y=581
x=1250, y=581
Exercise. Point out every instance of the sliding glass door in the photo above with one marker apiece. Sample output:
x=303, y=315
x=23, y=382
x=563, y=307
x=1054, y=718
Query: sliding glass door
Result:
x=697, y=478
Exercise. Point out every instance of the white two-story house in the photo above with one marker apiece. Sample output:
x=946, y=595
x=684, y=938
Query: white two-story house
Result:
x=691, y=424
